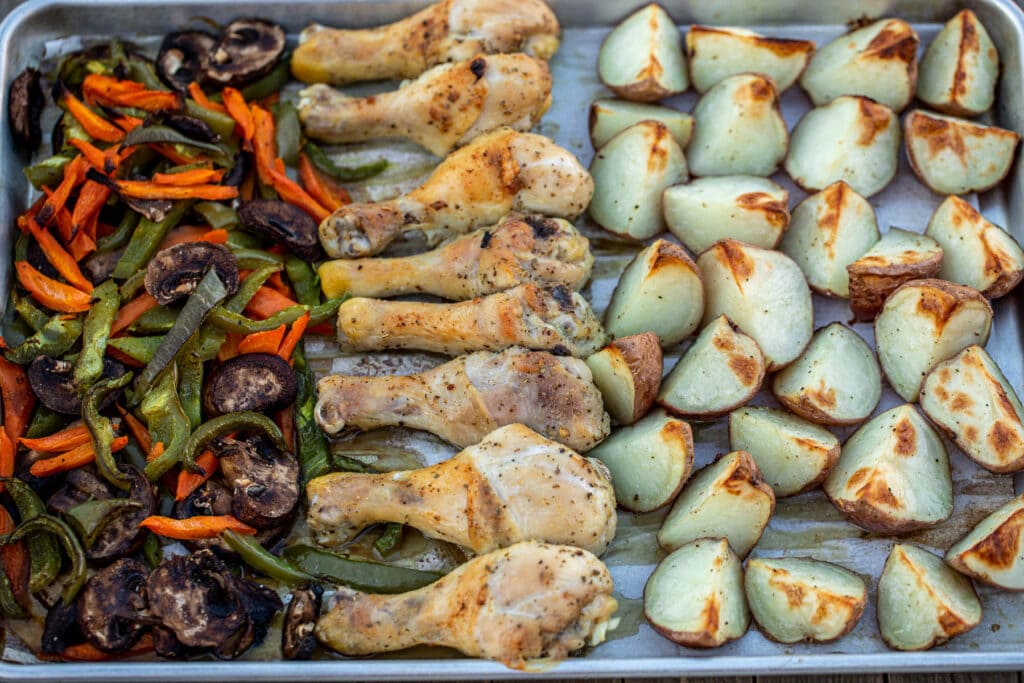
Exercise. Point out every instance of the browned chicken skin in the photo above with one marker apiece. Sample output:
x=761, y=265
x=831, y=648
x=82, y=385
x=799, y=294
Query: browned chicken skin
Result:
x=444, y=108
x=518, y=250
x=465, y=399
x=514, y=485
x=475, y=186
x=555, y=319
x=513, y=605
x=449, y=31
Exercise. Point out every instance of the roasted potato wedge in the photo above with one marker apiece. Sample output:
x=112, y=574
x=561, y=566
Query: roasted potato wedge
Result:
x=757, y=288
x=893, y=474
x=649, y=461
x=610, y=117
x=792, y=454
x=923, y=323
x=898, y=257
x=642, y=58
x=630, y=173
x=836, y=381
x=747, y=208
x=978, y=253
x=960, y=68
x=695, y=596
x=922, y=602
x=722, y=370
x=798, y=599
x=716, y=53
x=993, y=551
x=660, y=291
x=851, y=138
x=956, y=156
x=727, y=499
x=829, y=230
x=738, y=129
x=628, y=373
x=969, y=399
x=877, y=61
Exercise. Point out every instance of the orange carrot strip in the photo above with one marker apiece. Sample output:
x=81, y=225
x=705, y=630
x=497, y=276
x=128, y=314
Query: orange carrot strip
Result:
x=104, y=89
x=91, y=199
x=19, y=399
x=142, y=189
x=266, y=302
x=292, y=340
x=59, y=257
x=263, y=144
x=285, y=419
x=127, y=123
x=64, y=440
x=262, y=342
x=190, y=481
x=74, y=174
x=194, y=233
x=7, y=451
x=194, y=176
x=229, y=349
x=150, y=100
x=87, y=652
x=131, y=311
x=200, y=98
x=81, y=245
x=95, y=125
x=123, y=357
x=195, y=528
x=56, y=296
x=239, y=111
x=293, y=193
x=320, y=188
x=62, y=220
x=94, y=155
x=277, y=282
x=169, y=152
x=73, y=459
x=137, y=429
x=15, y=560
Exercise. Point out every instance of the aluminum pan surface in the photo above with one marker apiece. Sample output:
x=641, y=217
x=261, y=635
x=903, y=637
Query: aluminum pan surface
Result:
x=802, y=525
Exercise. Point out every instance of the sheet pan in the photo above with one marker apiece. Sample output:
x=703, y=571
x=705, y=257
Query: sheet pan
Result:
x=804, y=525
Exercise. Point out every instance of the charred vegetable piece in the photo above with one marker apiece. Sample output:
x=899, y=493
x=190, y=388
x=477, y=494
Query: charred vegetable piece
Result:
x=282, y=222
x=25, y=104
x=247, y=50
x=112, y=605
x=53, y=384
x=244, y=421
x=297, y=639
x=253, y=381
x=261, y=605
x=102, y=429
x=183, y=57
x=265, y=480
x=120, y=534
x=146, y=239
x=192, y=127
x=60, y=629
x=175, y=272
x=55, y=339
x=194, y=596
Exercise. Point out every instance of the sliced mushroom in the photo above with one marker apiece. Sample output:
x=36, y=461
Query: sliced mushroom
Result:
x=898, y=257
x=251, y=381
x=175, y=272
x=261, y=604
x=121, y=534
x=960, y=68
x=183, y=57
x=25, y=104
x=265, y=481
x=297, y=639
x=247, y=50
x=52, y=382
x=166, y=644
x=100, y=265
x=60, y=629
x=112, y=606
x=80, y=485
x=282, y=222
x=195, y=597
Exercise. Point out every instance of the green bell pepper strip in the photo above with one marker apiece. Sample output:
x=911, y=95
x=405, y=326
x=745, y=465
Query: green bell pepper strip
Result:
x=305, y=280
x=239, y=239
x=146, y=239
x=235, y=322
x=157, y=320
x=208, y=293
x=221, y=124
x=371, y=577
x=251, y=259
x=121, y=235
x=137, y=348
x=342, y=173
x=24, y=307
x=247, y=290
x=269, y=84
x=219, y=216
x=55, y=339
x=131, y=287
x=168, y=424
x=43, y=551
x=45, y=422
x=48, y=172
x=262, y=560
x=241, y=421
x=95, y=332
x=66, y=537
x=143, y=72
x=102, y=429
x=90, y=518
x=390, y=539
x=151, y=551
x=287, y=132
x=190, y=383
x=314, y=452
x=9, y=606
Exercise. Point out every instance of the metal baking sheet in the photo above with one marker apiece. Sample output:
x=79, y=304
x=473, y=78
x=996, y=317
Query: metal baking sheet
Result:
x=804, y=525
